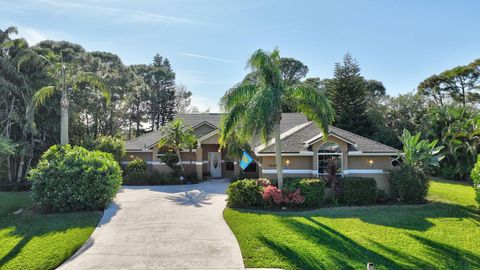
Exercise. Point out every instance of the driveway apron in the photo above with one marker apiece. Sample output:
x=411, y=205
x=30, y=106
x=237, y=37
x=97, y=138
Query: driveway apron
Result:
x=162, y=227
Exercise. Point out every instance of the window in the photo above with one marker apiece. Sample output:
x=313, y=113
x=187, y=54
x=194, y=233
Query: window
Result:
x=252, y=167
x=327, y=153
x=229, y=166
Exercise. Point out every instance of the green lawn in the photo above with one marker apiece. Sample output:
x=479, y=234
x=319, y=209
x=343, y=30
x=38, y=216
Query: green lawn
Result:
x=443, y=234
x=30, y=240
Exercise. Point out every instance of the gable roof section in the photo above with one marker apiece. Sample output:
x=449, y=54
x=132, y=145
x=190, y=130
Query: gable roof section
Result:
x=289, y=120
x=310, y=133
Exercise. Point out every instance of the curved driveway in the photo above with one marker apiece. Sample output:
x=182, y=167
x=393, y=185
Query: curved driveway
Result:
x=162, y=227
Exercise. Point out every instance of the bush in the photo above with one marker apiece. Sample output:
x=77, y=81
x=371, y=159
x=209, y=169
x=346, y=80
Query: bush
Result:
x=151, y=179
x=74, y=179
x=107, y=144
x=358, y=190
x=274, y=196
x=136, y=166
x=408, y=183
x=171, y=160
x=313, y=190
x=475, y=175
x=245, y=193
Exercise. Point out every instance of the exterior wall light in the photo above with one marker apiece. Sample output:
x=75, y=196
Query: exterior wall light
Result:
x=370, y=162
x=287, y=162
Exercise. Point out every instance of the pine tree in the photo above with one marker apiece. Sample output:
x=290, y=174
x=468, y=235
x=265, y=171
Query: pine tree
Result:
x=348, y=94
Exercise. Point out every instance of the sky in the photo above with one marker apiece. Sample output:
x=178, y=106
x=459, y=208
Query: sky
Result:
x=208, y=42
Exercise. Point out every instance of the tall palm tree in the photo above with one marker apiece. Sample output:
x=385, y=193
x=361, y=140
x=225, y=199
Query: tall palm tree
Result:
x=254, y=107
x=68, y=79
x=177, y=135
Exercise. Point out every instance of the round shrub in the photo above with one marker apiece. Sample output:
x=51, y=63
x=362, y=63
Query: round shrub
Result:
x=136, y=166
x=408, y=183
x=475, y=175
x=74, y=179
x=358, y=190
x=245, y=193
x=313, y=190
x=112, y=145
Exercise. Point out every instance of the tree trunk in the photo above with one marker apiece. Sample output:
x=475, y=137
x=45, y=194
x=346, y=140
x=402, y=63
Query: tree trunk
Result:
x=180, y=161
x=64, y=104
x=278, y=155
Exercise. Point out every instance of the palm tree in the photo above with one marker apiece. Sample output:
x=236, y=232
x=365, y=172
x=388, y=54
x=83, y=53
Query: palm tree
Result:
x=254, y=107
x=68, y=80
x=177, y=136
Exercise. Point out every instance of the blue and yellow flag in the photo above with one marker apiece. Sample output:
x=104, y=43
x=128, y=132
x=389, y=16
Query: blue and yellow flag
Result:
x=246, y=160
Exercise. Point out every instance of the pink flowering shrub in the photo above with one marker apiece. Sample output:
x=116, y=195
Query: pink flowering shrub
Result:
x=264, y=182
x=275, y=196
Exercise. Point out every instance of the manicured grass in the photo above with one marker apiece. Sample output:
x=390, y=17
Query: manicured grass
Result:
x=30, y=240
x=442, y=234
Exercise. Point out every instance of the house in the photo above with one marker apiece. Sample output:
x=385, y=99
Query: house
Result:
x=304, y=151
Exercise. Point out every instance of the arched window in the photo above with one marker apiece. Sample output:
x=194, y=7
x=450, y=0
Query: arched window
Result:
x=329, y=152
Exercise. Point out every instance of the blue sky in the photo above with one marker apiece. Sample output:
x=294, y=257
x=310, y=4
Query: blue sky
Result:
x=397, y=42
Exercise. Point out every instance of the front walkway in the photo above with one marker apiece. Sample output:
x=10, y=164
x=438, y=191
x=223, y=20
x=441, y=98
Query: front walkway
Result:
x=162, y=227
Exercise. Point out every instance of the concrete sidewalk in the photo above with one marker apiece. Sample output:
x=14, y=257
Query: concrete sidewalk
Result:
x=162, y=227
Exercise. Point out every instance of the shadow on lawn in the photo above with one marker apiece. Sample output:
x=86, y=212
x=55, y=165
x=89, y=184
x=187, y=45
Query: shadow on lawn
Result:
x=341, y=252
x=410, y=217
x=29, y=225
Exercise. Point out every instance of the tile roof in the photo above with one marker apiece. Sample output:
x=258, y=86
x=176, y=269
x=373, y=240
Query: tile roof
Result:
x=293, y=142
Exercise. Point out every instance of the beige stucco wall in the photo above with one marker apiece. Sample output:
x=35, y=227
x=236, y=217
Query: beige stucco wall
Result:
x=131, y=155
x=379, y=162
x=211, y=140
x=295, y=162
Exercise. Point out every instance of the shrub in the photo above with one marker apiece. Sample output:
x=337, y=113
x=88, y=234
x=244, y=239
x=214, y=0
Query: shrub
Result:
x=475, y=175
x=136, y=166
x=74, y=179
x=313, y=190
x=171, y=160
x=408, y=183
x=358, y=190
x=151, y=179
x=112, y=145
x=107, y=144
x=245, y=193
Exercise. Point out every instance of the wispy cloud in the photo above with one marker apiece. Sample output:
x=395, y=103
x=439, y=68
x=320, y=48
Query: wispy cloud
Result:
x=117, y=15
x=218, y=59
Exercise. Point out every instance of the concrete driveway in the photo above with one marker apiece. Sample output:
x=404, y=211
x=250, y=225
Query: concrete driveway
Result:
x=162, y=227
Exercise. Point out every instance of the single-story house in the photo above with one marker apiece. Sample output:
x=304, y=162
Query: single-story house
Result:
x=304, y=151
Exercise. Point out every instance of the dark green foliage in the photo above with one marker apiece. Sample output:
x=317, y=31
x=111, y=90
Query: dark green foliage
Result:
x=171, y=160
x=312, y=189
x=475, y=175
x=358, y=190
x=245, y=194
x=136, y=166
x=112, y=145
x=348, y=94
x=408, y=183
x=151, y=179
x=74, y=179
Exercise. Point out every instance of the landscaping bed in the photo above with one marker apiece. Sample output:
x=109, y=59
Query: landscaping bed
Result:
x=30, y=240
x=441, y=234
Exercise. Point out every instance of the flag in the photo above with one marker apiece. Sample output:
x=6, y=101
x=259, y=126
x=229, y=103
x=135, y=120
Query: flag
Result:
x=246, y=160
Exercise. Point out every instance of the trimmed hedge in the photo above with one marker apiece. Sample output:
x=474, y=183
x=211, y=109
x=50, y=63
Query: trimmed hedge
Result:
x=408, y=183
x=74, y=179
x=312, y=189
x=245, y=194
x=136, y=166
x=475, y=175
x=107, y=144
x=358, y=190
x=155, y=178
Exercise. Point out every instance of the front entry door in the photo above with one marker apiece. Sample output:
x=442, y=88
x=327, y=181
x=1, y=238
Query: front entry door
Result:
x=214, y=162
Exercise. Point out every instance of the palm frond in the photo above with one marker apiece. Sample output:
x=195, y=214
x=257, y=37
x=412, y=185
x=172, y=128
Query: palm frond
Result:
x=314, y=104
x=241, y=93
x=42, y=95
x=94, y=81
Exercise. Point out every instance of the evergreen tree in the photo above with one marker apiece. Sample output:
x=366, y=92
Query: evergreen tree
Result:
x=349, y=97
x=161, y=96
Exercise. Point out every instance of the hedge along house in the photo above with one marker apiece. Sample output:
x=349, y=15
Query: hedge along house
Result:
x=304, y=151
